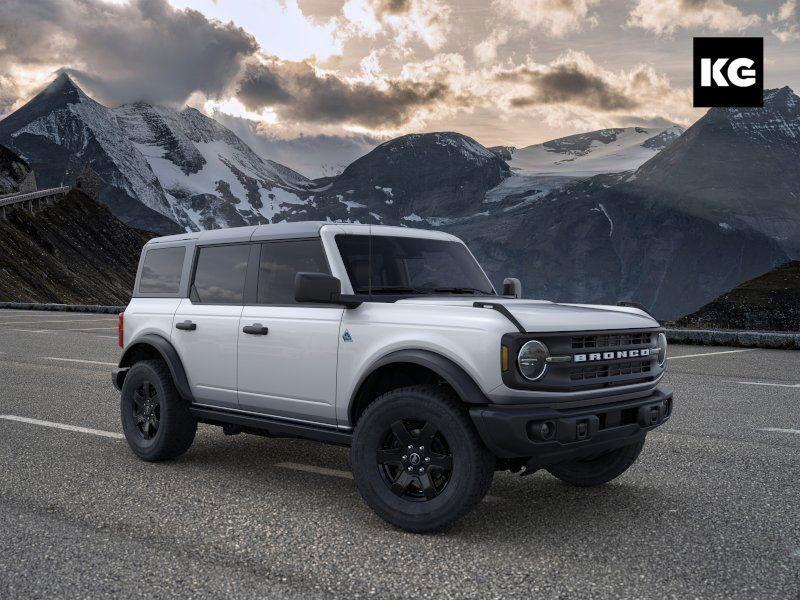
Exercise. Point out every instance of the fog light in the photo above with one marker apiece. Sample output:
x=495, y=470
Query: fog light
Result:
x=542, y=430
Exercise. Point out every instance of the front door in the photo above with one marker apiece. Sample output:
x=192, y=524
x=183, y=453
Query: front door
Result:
x=205, y=329
x=287, y=351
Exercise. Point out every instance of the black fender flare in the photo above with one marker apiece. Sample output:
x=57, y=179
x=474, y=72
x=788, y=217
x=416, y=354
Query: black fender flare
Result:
x=168, y=354
x=461, y=382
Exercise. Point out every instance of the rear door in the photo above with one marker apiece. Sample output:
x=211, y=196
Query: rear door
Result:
x=206, y=325
x=288, y=351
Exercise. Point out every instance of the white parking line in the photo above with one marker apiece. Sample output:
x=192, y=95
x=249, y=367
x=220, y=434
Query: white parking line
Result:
x=778, y=430
x=81, y=329
x=710, y=353
x=55, y=321
x=64, y=426
x=78, y=360
x=113, y=337
x=786, y=385
x=313, y=469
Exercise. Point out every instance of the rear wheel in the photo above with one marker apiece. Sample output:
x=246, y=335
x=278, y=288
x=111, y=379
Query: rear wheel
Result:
x=418, y=461
x=155, y=419
x=597, y=470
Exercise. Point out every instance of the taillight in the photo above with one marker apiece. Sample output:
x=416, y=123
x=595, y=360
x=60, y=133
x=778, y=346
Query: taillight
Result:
x=121, y=329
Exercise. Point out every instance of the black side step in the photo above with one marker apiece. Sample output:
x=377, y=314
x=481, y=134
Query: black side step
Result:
x=272, y=427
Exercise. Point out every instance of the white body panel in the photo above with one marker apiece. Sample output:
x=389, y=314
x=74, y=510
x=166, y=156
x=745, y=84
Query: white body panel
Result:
x=291, y=371
x=149, y=315
x=209, y=353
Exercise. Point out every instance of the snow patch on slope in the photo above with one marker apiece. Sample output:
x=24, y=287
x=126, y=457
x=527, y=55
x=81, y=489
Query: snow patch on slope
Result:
x=594, y=153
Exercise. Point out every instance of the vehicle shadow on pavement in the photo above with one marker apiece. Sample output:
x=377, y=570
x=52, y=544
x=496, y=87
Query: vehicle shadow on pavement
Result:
x=516, y=508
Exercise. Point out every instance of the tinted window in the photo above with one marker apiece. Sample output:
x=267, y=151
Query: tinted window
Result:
x=220, y=273
x=280, y=262
x=161, y=271
x=410, y=265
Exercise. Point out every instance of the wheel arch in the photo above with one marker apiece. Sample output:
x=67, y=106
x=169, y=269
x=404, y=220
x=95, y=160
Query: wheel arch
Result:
x=412, y=363
x=153, y=346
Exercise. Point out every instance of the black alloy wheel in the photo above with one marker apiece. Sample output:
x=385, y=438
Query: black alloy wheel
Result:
x=417, y=458
x=156, y=421
x=414, y=460
x=147, y=409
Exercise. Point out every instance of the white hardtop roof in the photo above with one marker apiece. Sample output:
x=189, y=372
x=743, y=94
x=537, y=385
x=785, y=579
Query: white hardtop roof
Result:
x=297, y=229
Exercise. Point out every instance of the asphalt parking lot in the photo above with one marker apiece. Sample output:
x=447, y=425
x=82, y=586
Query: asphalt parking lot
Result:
x=711, y=510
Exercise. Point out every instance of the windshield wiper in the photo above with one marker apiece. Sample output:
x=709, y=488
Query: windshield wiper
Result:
x=389, y=289
x=461, y=290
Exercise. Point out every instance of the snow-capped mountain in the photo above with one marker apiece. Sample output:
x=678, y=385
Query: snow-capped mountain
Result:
x=541, y=169
x=417, y=179
x=717, y=206
x=315, y=156
x=161, y=169
x=593, y=153
x=738, y=168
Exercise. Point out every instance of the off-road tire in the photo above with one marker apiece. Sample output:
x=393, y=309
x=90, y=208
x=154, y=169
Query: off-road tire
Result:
x=472, y=464
x=176, y=425
x=600, y=470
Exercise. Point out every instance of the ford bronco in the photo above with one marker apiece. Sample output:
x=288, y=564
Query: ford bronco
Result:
x=391, y=341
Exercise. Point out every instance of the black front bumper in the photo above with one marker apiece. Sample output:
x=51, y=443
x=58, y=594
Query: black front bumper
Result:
x=548, y=435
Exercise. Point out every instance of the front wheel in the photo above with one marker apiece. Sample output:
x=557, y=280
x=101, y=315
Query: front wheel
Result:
x=417, y=460
x=597, y=470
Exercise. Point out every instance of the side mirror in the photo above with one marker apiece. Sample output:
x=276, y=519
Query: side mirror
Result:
x=320, y=288
x=512, y=287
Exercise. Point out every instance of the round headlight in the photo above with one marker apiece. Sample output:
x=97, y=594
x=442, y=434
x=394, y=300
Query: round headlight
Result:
x=662, y=349
x=532, y=360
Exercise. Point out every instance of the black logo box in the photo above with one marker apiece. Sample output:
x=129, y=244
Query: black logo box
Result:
x=714, y=48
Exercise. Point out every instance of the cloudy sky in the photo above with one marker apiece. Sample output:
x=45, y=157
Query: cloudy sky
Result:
x=503, y=71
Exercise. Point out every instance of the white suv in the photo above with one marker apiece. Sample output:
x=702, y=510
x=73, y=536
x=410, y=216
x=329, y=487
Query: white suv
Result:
x=391, y=341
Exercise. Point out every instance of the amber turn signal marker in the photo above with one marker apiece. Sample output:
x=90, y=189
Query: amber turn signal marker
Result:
x=504, y=357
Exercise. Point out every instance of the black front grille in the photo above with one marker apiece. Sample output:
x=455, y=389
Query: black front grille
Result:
x=604, y=371
x=587, y=360
x=616, y=340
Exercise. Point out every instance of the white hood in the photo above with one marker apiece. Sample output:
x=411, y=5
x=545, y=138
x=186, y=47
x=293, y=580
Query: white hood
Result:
x=540, y=316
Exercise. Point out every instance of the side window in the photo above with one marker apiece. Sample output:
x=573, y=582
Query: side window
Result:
x=161, y=271
x=220, y=274
x=281, y=261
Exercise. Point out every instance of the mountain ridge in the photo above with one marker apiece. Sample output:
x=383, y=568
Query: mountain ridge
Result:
x=160, y=169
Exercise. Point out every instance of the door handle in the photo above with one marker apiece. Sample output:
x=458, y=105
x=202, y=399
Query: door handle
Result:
x=255, y=329
x=186, y=326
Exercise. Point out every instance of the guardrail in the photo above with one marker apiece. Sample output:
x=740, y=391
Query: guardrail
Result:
x=92, y=308
x=746, y=339
x=33, y=199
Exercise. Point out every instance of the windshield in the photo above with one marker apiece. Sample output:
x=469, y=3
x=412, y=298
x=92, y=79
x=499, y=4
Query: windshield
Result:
x=409, y=265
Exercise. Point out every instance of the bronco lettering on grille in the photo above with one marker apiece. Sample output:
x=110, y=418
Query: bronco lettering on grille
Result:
x=595, y=356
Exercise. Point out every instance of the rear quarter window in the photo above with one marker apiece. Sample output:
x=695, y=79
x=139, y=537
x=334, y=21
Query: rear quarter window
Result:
x=220, y=274
x=161, y=271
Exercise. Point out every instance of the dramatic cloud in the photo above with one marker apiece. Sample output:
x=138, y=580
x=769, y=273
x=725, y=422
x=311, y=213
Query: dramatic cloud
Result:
x=666, y=16
x=486, y=51
x=142, y=50
x=787, y=27
x=297, y=91
x=404, y=21
x=573, y=84
x=280, y=27
x=557, y=17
